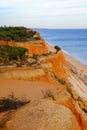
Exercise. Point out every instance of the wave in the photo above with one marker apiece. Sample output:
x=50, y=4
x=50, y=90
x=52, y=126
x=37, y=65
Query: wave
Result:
x=66, y=52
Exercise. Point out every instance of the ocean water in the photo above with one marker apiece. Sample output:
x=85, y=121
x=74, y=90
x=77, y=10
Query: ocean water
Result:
x=74, y=41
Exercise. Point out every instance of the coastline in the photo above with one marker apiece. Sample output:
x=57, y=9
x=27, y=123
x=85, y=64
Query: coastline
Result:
x=76, y=67
x=74, y=57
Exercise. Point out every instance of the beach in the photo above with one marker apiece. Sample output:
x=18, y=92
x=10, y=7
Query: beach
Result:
x=77, y=67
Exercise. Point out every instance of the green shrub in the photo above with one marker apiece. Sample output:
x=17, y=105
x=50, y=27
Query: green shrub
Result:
x=61, y=81
x=57, y=48
x=9, y=53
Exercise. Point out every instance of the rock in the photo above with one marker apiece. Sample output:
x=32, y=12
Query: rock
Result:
x=43, y=114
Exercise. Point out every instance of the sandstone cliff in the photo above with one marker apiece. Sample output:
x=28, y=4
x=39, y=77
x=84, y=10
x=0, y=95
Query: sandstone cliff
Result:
x=34, y=47
x=70, y=98
x=43, y=115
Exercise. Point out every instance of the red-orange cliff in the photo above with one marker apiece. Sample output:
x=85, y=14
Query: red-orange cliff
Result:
x=34, y=47
x=53, y=69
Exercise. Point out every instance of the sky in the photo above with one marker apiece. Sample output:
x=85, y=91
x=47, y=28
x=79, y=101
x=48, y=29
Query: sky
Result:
x=44, y=13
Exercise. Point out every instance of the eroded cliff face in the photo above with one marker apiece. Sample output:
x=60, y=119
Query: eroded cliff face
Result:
x=34, y=47
x=51, y=68
x=59, y=65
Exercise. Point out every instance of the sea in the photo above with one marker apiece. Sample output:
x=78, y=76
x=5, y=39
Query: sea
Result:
x=72, y=41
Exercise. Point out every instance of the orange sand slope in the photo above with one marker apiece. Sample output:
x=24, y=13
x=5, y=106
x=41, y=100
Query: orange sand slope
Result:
x=25, y=89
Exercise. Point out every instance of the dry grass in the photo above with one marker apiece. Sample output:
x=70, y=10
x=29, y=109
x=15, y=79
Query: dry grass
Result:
x=48, y=93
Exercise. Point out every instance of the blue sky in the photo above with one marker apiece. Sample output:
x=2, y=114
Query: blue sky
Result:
x=44, y=13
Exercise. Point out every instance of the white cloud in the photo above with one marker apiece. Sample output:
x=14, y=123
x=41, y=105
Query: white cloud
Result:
x=46, y=7
x=44, y=3
x=30, y=11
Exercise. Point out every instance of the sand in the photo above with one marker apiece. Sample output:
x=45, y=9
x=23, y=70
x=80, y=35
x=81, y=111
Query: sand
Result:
x=43, y=115
x=77, y=67
x=81, y=68
x=25, y=89
x=79, y=80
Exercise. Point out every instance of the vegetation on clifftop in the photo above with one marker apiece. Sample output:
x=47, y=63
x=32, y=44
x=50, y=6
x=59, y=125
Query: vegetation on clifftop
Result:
x=9, y=53
x=17, y=34
x=57, y=48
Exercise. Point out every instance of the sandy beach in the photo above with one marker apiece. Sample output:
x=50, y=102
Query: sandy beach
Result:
x=81, y=68
x=77, y=67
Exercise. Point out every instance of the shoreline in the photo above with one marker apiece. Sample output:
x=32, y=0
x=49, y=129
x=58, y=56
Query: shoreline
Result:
x=51, y=48
x=76, y=67
x=74, y=57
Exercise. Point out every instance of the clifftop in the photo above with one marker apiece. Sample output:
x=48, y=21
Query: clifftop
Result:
x=23, y=37
x=18, y=34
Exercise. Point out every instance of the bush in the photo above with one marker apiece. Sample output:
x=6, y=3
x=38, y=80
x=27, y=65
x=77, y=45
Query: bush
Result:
x=35, y=56
x=85, y=110
x=48, y=93
x=57, y=48
x=61, y=81
x=11, y=103
x=17, y=34
x=71, y=93
x=9, y=53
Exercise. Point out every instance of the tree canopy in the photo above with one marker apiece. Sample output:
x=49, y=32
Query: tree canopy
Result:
x=17, y=34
